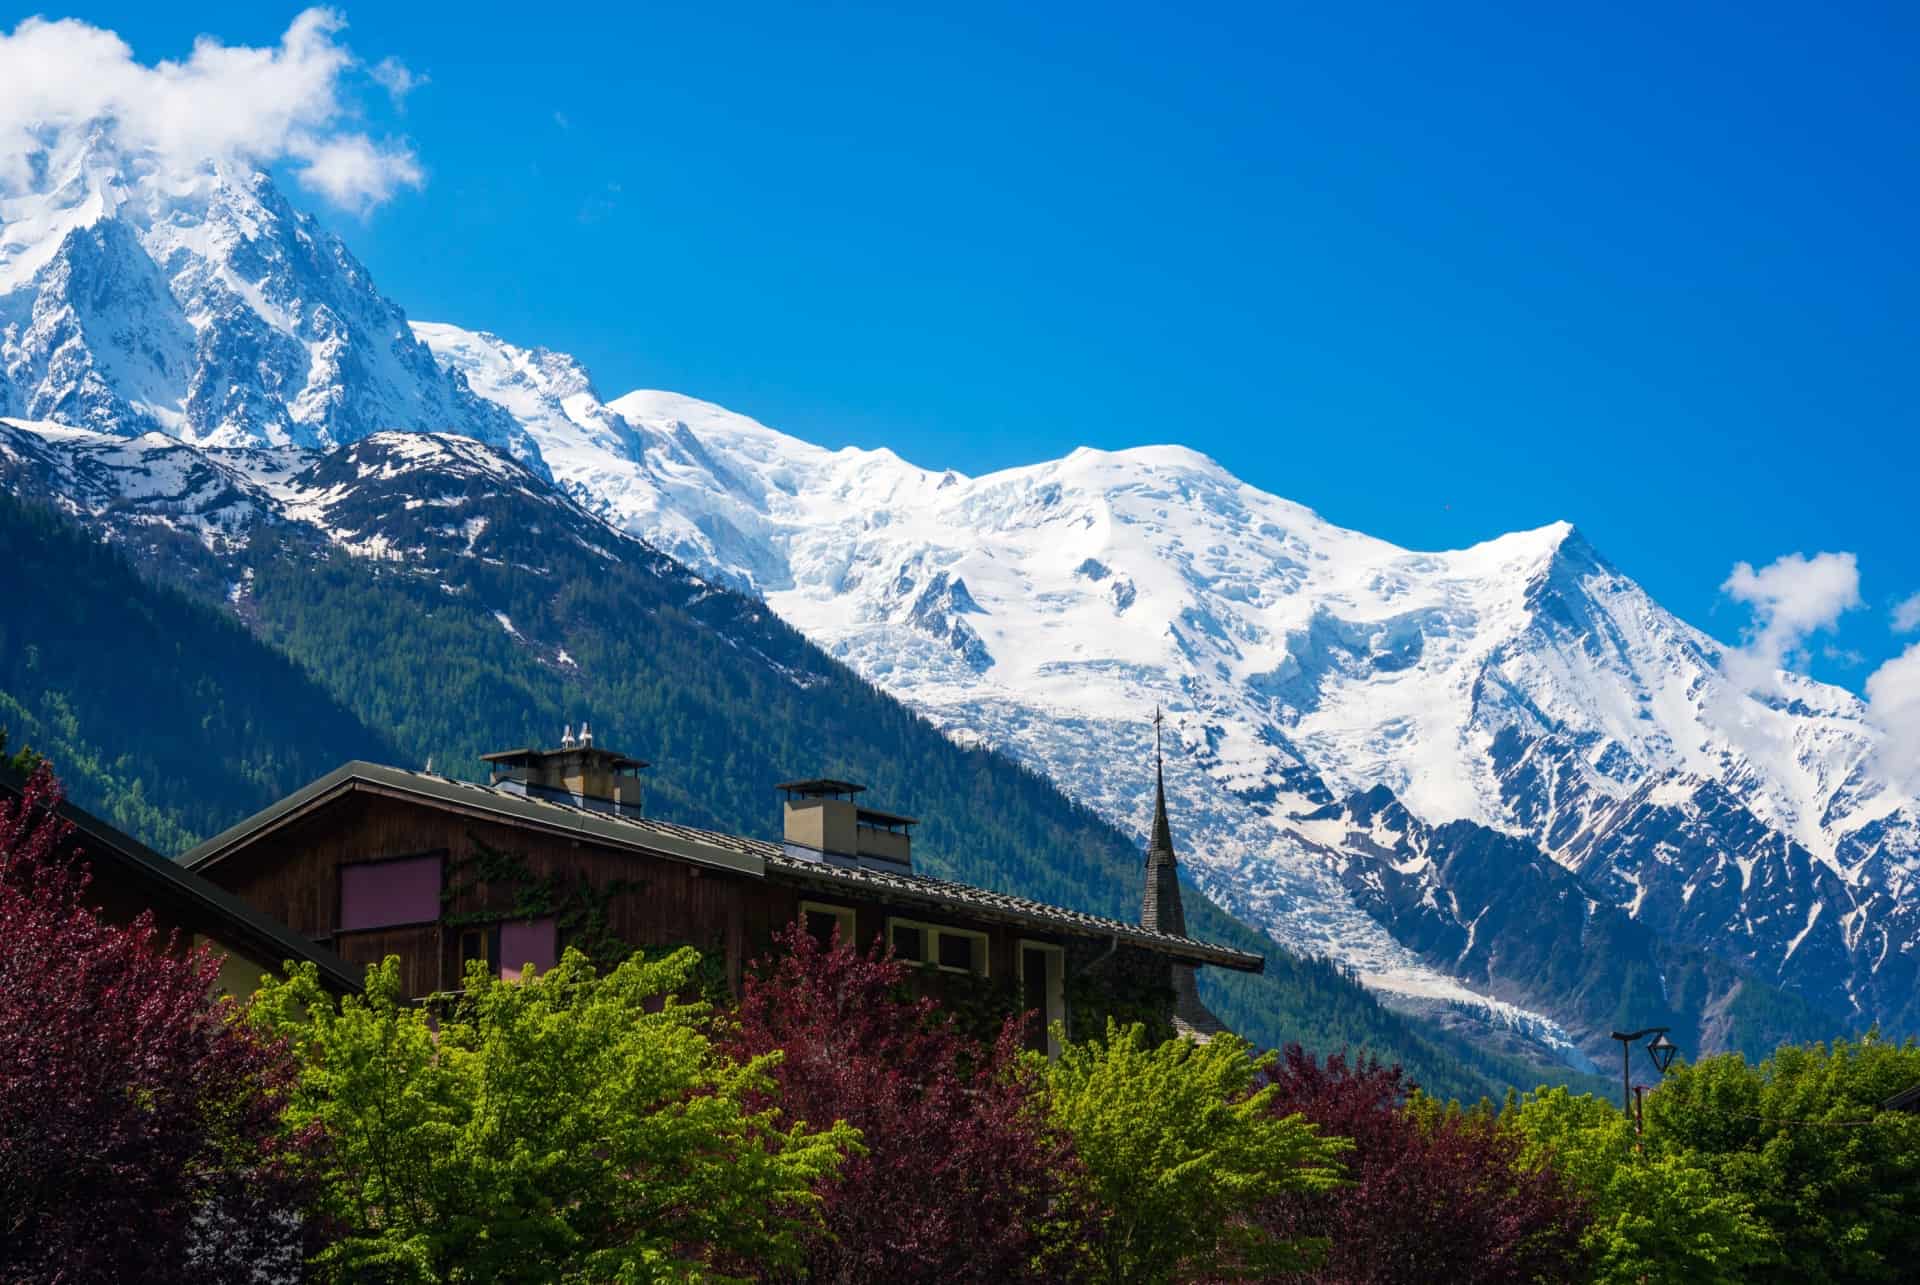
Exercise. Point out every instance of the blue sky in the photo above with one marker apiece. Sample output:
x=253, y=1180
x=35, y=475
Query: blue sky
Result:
x=1437, y=271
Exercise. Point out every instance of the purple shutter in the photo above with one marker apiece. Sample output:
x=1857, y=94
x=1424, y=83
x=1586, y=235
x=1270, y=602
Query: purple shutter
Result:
x=532, y=941
x=380, y=894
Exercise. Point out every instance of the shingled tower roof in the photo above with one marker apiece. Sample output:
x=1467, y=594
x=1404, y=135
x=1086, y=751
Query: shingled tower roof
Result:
x=1161, y=909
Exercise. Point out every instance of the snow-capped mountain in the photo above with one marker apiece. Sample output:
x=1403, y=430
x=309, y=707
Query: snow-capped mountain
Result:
x=1523, y=686
x=417, y=499
x=203, y=306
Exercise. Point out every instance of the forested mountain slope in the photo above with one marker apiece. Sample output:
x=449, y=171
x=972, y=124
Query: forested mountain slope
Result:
x=501, y=624
x=245, y=379
x=164, y=715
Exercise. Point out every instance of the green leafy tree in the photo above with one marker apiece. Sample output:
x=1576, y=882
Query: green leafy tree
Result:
x=570, y=1126
x=172, y=719
x=1180, y=1149
x=1659, y=1214
x=22, y=761
x=1802, y=1136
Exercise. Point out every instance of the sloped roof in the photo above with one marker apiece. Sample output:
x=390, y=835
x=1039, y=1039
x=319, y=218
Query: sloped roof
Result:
x=701, y=847
x=264, y=938
x=755, y=858
x=985, y=903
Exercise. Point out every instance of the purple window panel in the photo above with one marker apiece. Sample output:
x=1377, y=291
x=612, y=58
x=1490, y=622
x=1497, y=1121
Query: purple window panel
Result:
x=380, y=894
x=532, y=941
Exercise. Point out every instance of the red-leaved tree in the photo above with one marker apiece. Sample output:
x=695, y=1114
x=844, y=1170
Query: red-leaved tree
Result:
x=961, y=1179
x=1436, y=1193
x=138, y=1123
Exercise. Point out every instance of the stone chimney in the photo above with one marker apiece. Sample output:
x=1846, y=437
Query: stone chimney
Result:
x=824, y=821
x=579, y=772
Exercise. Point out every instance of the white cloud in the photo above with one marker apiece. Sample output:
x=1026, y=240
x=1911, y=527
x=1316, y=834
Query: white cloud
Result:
x=1906, y=615
x=1792, y=598
x=222, y=102
x=396, y=78
x=352, y=171
x=1893, y=702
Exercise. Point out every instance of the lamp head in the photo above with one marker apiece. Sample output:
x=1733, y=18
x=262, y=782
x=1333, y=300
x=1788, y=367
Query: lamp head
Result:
x=1661, y=1050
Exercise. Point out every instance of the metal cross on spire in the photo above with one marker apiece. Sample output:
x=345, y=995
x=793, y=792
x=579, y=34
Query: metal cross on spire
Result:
x=1156, y=734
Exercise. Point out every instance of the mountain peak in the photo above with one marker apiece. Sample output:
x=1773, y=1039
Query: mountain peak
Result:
x=1170, y=457
x=203, y=304
x=1521, y=683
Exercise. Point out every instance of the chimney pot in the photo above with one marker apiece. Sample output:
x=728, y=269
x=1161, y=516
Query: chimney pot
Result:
x=577, y=773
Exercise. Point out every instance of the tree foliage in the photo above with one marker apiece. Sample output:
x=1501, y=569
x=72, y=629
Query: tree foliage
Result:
x=1658, y=1212
x=1802, y=1137
x=173, y=721
x=570, y=1126
x=165, y=715
x=960, y=1176
x=1181, y=1148
x=132, y=1103
x=1435, y=1193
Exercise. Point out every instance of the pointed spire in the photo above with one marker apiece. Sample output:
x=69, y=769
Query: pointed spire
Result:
x=1160, y=909
x=1162, y=840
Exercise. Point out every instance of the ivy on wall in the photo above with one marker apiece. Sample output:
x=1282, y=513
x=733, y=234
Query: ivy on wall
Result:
x=578, y=908
x=1128, y=985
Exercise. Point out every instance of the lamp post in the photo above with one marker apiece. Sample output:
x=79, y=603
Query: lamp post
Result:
x=1660, y=1051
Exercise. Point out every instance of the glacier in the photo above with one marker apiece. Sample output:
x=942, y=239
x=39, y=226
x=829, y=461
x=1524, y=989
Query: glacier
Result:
x=188, y=350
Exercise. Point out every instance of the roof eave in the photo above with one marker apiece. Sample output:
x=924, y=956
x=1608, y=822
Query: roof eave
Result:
x=372, y=777
x=1187, y=950
x=264, y=938
x=473, y=800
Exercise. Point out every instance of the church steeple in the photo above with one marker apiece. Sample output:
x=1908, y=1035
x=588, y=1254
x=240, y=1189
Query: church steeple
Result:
x=1161, y=909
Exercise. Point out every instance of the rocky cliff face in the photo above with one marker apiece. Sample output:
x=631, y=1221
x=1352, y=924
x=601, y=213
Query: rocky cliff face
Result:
x=1591, y=743
x=204, y=306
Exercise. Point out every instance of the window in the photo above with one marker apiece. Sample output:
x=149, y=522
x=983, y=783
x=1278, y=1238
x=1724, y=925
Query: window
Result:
x=823, y=921
x=475, y=946
x=954, y=950
x=385, y=894
x=1043, y=975
x=528, y=942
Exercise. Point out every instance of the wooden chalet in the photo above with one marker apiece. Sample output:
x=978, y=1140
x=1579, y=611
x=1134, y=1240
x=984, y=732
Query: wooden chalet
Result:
x=128, y=877
x=554, y=849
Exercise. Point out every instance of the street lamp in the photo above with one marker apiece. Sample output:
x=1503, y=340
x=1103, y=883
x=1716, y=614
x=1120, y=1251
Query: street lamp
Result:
x=1660, y=1051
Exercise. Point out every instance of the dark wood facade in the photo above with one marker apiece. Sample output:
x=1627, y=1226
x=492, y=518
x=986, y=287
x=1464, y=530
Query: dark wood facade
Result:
x=503, y=862
x=648, y=900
